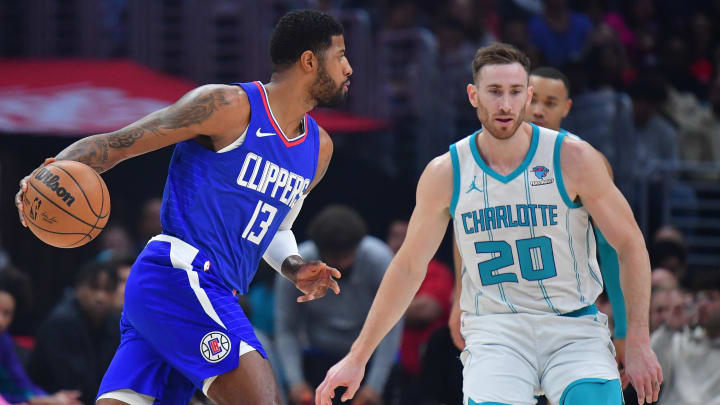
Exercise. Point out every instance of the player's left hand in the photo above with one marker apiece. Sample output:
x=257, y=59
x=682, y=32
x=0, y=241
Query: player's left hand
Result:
x=367, y=396
x=643, y=370
x=620, y=359
x=314, y=278
x=347, y=373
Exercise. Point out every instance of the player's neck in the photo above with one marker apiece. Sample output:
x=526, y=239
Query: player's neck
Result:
x=289, y=104
x=505, y=155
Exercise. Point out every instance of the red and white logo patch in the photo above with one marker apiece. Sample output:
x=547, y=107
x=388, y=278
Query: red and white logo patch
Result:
x=215, y=346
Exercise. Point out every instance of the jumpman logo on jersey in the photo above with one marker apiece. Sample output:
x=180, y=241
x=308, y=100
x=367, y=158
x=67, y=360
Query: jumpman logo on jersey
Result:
x=473, y=186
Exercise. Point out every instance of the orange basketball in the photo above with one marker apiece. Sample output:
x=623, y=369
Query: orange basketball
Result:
x=66, y=204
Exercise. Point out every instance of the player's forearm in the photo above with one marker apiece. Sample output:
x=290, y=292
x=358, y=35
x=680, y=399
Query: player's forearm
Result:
x=635, y=279
x=96, y=151
x=396, y=291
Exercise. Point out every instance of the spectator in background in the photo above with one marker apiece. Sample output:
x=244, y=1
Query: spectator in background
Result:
x=310, y=337
x=560, y=33
x=663, y=279
x=123, y=265
x=669, y=232
x=602, y=113
x=115, y=242
x=515, y=32
x=428, y=311
x=149, y=224
x=675, y=57
x=699, y=125
x=690, y=356
x=656, y=137
x=76, y=343
x=15, y=385
x=666, y=308
x=670, y=255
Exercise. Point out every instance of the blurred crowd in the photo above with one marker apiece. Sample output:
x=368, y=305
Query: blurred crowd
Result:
x=645, y=81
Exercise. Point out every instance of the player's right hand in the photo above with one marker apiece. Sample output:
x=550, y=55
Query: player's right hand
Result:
x=347, y=373
x=23, y=189
x=314, y=278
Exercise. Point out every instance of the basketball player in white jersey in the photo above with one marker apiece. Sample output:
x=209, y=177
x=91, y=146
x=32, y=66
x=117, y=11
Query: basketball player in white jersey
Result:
x=520, y=197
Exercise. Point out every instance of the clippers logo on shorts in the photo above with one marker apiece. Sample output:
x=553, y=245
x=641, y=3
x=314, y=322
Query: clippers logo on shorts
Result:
x=215, y=346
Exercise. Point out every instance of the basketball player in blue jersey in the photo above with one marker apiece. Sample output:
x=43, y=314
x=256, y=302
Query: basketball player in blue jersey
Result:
x=245, y=157
x=528, y=314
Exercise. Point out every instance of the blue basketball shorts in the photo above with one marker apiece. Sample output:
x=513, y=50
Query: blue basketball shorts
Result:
x=181, y=325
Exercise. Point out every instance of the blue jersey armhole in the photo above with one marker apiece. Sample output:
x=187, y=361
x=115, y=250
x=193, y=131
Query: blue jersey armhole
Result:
x=456, y=179
x=558, y=172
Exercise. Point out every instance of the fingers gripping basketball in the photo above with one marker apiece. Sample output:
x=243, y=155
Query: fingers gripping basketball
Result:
x=67, y=204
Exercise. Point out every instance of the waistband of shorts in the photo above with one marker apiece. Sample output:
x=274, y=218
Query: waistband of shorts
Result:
x=588, y=310
x=182, y=254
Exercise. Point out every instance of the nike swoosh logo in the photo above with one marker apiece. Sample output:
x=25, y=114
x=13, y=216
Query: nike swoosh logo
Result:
x=260, y=134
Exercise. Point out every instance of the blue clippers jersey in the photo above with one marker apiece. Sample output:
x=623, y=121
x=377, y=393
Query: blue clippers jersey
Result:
x=230, y=204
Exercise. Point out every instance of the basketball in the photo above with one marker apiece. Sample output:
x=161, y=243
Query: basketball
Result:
x=67, y=204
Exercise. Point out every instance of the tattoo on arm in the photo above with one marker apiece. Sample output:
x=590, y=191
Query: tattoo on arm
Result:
x=93, y=151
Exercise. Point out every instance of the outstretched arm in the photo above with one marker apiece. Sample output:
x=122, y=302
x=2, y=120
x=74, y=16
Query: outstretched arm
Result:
x=587, y=177
x=402, y=279
x=220, y=113
x=212, y=110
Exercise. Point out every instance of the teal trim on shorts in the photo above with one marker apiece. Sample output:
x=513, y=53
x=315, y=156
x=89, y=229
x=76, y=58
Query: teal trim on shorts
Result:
x=599, y=391
x=506, y=179
x=456, y=179
x=588, y=310
x=558, y=172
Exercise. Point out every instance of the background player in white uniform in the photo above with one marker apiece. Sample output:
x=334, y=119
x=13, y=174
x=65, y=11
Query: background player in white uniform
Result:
x=513, y=193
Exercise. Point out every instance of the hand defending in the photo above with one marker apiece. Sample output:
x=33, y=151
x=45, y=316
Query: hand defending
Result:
x=314, y=278
x=347, y=373
x=643, y=370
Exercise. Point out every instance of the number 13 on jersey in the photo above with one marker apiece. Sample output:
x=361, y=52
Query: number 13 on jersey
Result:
x=261, y=207
x=535, y=257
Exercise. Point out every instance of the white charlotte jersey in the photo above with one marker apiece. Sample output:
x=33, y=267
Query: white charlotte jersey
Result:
x=526, y=247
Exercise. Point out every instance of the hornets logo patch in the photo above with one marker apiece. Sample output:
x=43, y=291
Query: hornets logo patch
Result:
x=541, y=172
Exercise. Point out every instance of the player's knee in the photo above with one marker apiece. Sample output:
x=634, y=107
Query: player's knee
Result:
x=593, y=393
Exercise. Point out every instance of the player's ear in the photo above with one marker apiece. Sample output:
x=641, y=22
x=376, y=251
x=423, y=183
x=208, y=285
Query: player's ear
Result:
x=472, y=94
x=568, y=105
x=308, y=61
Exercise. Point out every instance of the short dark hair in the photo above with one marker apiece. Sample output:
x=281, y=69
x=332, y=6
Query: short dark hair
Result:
x=299, y=31
x=90, y=273
x=666, y=249
x=17, y=284
x=498, y=54
x=337, y=229
x=552, y=73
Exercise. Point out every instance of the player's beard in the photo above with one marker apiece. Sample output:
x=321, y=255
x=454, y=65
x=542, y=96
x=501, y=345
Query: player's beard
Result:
x=494, y=131
x=326, y=92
